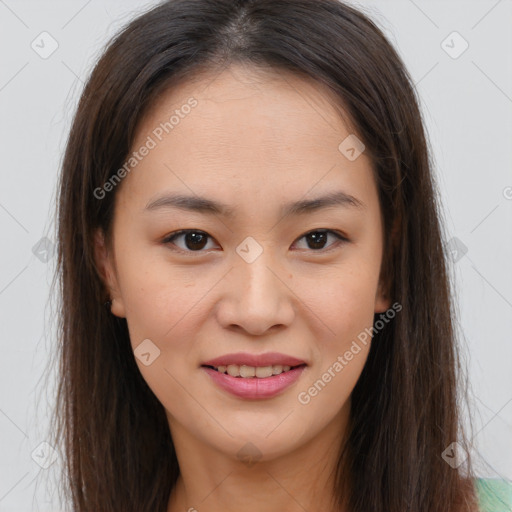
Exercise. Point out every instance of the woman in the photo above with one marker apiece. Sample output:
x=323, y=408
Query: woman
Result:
x=256, y=305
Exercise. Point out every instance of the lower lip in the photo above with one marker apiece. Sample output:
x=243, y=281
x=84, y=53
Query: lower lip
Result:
x=254, y=388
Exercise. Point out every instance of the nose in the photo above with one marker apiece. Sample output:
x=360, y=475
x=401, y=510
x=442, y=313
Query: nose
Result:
x=256, y=297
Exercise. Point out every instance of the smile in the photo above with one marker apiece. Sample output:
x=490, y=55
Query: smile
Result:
x=255, y=382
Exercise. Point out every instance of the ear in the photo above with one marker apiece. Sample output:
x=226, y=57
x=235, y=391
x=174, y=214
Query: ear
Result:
x=105, y=266
x=387, y=275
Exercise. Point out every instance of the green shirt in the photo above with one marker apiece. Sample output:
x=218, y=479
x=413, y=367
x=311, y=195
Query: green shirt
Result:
x=494, y=495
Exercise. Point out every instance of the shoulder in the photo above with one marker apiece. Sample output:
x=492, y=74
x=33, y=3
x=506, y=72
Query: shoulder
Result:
x=494, y=495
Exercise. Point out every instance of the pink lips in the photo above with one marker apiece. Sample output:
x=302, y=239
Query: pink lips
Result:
x=254, y=387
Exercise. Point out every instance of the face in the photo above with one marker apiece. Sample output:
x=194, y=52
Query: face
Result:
x=251, y=274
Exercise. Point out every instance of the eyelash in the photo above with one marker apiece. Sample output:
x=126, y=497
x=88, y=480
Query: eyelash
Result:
x=340, y=239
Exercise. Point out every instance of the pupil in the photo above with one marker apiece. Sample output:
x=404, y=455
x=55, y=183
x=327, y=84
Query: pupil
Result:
x=318, y=237
x=195, y=240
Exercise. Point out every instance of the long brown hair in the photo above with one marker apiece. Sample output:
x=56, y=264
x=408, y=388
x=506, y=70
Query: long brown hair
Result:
x=404, y=412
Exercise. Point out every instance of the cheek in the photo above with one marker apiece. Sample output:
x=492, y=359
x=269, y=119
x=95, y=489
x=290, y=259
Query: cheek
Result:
x=163, y=306
x=343, y=300
x=158, y=297
x=344, y=306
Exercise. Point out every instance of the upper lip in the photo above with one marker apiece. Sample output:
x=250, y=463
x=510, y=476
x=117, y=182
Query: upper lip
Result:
x=244, y=358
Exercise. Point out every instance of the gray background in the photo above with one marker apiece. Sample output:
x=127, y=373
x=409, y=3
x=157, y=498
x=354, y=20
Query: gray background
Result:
x=467, y=104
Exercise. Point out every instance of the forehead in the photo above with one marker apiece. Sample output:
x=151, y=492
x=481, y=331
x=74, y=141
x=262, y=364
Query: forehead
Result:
x=246, y=130
x=239, y=82
x=247, y=98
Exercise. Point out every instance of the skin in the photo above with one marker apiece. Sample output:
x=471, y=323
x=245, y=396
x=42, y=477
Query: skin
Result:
x=255, y=141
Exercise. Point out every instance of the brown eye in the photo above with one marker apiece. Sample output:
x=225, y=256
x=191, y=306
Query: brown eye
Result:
x=193, y=240
x=316, y=240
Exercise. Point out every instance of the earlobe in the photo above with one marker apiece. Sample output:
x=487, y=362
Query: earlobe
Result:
x=382, y=300
x=382, y=304
x=117, y=308
x=105, y=269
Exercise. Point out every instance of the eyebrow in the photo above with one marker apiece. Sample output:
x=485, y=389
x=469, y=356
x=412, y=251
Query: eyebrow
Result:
x=207, y=206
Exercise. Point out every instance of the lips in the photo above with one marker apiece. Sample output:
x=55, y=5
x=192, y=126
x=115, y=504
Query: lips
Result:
x=255, y=388
x=244, y=358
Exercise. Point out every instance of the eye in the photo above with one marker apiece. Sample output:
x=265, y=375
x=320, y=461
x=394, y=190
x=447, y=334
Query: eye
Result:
x=195, y=240
x=317, y=239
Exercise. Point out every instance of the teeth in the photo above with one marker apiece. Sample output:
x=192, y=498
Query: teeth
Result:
x=251, y=371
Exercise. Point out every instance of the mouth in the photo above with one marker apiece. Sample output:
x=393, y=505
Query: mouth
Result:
x=254, y=382
x=253, y=372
